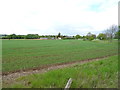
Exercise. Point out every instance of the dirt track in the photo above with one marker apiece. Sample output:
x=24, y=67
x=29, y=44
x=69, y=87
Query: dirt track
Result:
x=10, y=77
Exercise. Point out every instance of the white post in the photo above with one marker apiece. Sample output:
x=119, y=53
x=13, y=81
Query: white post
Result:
x=68, y=84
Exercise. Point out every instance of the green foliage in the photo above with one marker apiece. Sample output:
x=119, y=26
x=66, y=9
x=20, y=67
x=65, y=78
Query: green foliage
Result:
x=84, y=38
x=111, y=32
x=90, y=36
x=77, y=36
x=101, y=36
x=116, y=35
x=94, y=36
x=96, y=74
x=59, y=34
x=119, y=33
x=32, y=36
x=24, y=54
x=29, y=36
x=13, y=36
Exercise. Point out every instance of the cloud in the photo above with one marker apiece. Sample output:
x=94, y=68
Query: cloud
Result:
x=52, y=16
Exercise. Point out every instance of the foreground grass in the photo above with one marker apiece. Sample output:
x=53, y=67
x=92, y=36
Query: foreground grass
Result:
x=96, y=74
x=24, y=54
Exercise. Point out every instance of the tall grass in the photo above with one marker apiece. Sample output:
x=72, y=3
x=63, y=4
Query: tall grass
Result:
x=96, y=74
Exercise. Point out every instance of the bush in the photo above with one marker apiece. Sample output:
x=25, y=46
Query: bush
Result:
x=101, y=36
x=91, y=38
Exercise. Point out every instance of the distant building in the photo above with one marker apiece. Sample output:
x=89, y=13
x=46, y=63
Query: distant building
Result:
x=52, y=38
x=59, y=38
x=43, y=38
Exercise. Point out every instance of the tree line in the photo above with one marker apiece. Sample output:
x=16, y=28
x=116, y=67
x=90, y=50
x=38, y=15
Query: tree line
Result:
x=108, y=34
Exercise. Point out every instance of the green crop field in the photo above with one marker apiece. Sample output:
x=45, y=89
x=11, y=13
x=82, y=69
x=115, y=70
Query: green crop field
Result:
x=96, y=74
x=27, y=54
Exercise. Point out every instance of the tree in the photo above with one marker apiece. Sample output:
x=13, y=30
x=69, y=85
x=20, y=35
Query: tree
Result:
x=111, y=31
x=90, y=36
x=83, y=36
x=116, y=35
x=94, y=36
x=11, y=36
x=101, y=36
x=32, y=36
x=59, y=34
x=77, y=36
x=119, y=33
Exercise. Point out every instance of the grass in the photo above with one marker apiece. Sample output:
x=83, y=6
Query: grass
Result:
x=96, y=74
x=24, y=54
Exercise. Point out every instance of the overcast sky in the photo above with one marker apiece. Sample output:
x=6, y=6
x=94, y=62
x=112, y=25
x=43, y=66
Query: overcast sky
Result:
x=69, y=17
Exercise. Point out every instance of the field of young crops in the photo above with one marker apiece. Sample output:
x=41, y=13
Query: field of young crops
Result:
x=28, y=54
x=95, y=74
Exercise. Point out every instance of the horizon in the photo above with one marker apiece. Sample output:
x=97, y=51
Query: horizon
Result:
x=50, y=34
x=49, y=17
